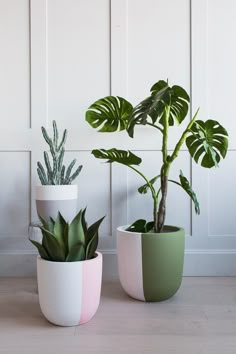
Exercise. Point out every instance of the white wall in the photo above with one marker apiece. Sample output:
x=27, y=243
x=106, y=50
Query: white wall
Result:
x=57, y=57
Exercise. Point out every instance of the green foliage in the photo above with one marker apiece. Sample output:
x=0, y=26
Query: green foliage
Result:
x=63, y=242
x=207, y=141
x=154, y=106
x=141, y=225
x=56, y=172
x=121, y=156
x=188, y=189
x=184, y=183
x=144, y=188
x=109, y=114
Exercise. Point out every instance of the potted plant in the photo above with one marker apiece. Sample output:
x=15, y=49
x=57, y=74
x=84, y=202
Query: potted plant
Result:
x=69, y=270
x=56, y=192
x=151, y=254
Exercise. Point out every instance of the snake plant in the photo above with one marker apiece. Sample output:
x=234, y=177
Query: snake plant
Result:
x=63, y=242
x=57, y=173
x=206, y=141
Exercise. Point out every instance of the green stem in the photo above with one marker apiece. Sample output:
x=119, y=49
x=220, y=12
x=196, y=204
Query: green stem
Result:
x=165, y=134
x=146, y=180
x=164, y=174
x=155, y=126
x=154, y=195
x=183, y=138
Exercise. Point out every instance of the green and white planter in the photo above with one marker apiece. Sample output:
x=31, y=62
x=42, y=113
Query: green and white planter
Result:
x=151, y=265
x=51, y=199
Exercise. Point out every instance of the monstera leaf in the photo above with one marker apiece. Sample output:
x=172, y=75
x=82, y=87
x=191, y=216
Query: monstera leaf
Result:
x=109, y=114
x=121, y=156
x=141, y=225
x=188, y=189
x=208, y=141
x=184, y=183
x=145, y=187
x=155, y=106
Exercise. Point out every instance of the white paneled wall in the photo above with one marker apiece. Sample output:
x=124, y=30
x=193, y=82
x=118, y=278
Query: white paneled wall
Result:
x=57, y=57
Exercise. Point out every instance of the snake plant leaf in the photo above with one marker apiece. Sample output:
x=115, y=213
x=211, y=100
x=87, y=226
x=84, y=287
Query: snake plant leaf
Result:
x=52, y=246
x=109, y=114
x=93, y=229
x=145, y=187
x=83, y=220
x=114, y=155
x=61, y=233
x=92, y=239
x=188, y=189
x=42, y=252
x=48, y=225
x=154, y=106
x=92, y=246
x=77, y=253
x=76, y=231
x=208, y=141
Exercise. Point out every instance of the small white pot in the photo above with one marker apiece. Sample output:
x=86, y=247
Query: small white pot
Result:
x=69, y=292
x=51, y=199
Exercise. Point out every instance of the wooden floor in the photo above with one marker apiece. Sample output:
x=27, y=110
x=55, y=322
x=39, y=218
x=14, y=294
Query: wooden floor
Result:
x=200, y=318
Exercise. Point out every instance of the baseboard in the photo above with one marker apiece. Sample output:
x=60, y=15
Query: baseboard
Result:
x=197, y=263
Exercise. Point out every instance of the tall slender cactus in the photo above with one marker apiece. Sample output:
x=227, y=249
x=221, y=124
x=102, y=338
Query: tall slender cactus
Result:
x=56, y=174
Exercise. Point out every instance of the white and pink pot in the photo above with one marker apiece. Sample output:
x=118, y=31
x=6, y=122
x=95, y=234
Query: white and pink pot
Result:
x=51, y=199
x=69, y=292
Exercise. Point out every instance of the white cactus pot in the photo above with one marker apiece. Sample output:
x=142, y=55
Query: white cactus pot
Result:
x=69, y=292
x=51, y=199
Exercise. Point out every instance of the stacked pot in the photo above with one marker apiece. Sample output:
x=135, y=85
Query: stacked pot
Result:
x=69, y=292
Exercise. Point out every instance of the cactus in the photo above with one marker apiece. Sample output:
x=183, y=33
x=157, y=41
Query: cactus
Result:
x=56, y=172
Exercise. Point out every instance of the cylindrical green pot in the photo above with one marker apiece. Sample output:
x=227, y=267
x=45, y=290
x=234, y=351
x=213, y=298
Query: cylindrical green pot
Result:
x=151, y=264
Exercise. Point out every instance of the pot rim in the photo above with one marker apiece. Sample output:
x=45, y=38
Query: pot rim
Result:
x=57, y=186
x=55, y=192
x=69, y=264
x=177, y=229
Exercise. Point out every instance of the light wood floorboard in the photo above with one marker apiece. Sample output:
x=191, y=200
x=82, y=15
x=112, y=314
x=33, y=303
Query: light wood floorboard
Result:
x=200, y=318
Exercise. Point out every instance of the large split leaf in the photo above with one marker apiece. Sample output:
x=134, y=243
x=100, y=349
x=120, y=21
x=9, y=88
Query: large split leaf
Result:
x=109, y=114
x=121, y=156
x=207, y=143
x=154, y=106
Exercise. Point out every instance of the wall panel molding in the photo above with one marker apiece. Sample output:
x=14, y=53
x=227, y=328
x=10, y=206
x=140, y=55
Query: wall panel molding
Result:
x=70, y=56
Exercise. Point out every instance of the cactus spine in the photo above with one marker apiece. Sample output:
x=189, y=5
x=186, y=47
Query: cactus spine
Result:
x=56, y=171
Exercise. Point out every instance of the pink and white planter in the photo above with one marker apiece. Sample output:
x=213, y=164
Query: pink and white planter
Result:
x=69, y=292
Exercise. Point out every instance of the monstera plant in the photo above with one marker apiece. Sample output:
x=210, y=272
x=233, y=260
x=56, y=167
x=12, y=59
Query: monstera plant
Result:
x=207, y=141
x=158, y=274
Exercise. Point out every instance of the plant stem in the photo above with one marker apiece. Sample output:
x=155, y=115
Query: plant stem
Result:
x=164, y=175
x=154, y=194
x=183, y=138
x=165, y=134
x=167, y=160
x=155, y=126
x=146, y=180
